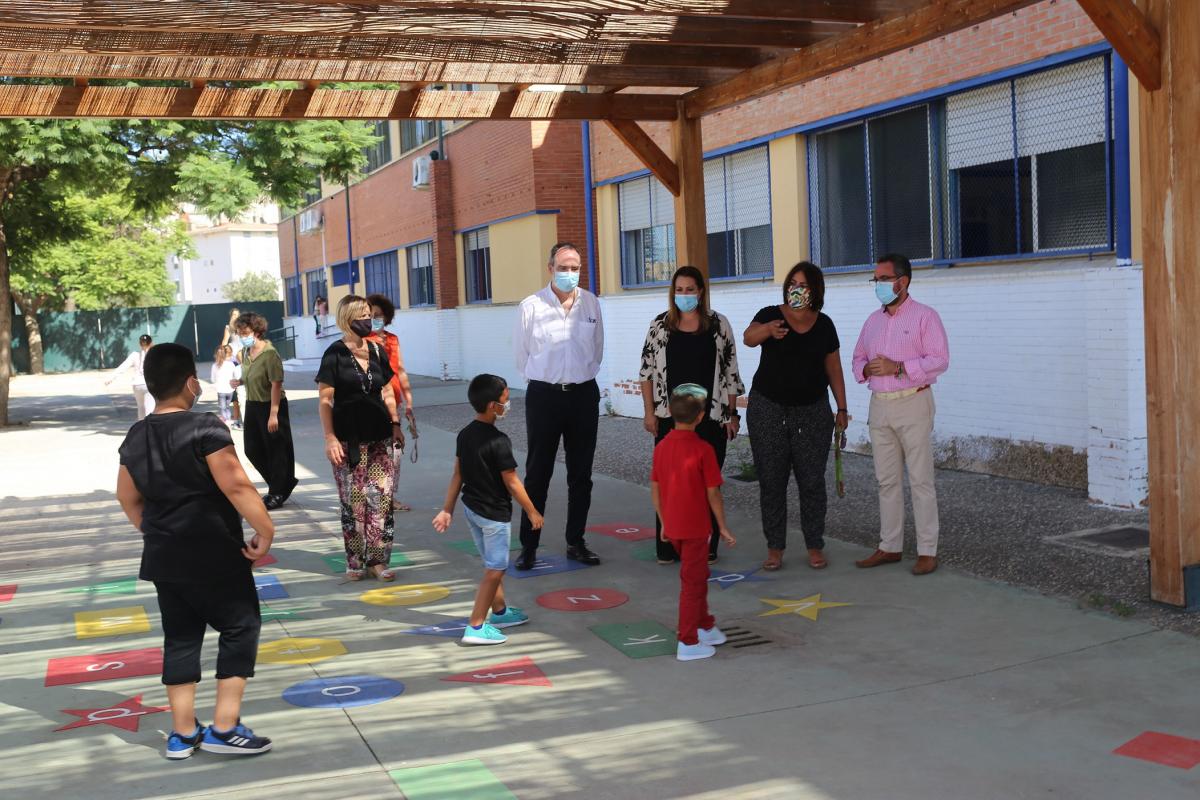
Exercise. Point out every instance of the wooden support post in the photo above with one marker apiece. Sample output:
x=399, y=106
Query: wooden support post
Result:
x=1170, y=243
x=691, y=232
x=1127, y=31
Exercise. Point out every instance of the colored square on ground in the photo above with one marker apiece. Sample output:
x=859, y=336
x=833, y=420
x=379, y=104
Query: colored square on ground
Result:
x=468, y=545
x=123, y=586
x=625, y=531
x=448, y=781
x=338, y=563
x=111, y=622
x=104, y=666
x=271, y=613
x=266, y=561
x=269, y=588
x=7, y=591
x=638, y=639
x=546, y=565
x=1162, y=748
x=645, y=551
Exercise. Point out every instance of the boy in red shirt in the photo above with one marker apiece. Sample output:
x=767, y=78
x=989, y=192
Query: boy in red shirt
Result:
x=684, y=484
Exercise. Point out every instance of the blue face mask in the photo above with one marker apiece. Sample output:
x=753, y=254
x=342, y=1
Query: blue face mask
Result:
x=687, y=302
x=376, y=324
x=884, y=292
x=566, y=281
x=247, y=341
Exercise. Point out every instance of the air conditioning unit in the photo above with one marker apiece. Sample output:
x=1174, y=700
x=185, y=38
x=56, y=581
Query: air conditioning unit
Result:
x=420, y=167
x=311, y=220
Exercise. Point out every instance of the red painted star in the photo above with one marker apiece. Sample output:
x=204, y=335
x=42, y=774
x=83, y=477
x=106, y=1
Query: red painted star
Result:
x=124, y=715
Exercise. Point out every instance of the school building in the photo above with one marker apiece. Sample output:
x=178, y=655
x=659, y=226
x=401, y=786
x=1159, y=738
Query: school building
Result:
x=1001, y=159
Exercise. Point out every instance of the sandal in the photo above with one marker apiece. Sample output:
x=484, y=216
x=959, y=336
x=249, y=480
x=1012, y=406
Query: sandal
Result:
x=816, y=559
x=383, y=573
x=354, y=574
x=774, y=560
x=398, y=506
x=663, y=562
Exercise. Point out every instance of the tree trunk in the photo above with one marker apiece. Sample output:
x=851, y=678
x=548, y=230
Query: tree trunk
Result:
x=6, y=364
x=33, y=333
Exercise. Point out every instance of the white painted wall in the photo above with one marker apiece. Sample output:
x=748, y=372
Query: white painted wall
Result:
x=1048, y=352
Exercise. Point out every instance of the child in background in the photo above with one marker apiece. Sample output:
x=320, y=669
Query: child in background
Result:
x=223, y=371
x=485, y=472
x=685, y=483
x=237, y=376
x=181, y=484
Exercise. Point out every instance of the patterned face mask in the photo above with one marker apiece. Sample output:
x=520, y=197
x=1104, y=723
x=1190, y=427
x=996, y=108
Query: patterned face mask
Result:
x=799, y=297
x=690, y=389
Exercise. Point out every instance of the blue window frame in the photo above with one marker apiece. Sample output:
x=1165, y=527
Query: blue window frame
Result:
x=1017, y=167
x=294, y=296
x=420, y=274
x=478, y=255
x=344, y=273
x=383, y=275
x=314, y=280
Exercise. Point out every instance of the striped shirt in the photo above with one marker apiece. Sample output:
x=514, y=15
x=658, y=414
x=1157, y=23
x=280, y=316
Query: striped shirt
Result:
x=913, y=336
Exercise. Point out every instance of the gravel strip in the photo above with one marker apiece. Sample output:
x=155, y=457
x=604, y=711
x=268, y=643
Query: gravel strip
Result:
x=993, y=528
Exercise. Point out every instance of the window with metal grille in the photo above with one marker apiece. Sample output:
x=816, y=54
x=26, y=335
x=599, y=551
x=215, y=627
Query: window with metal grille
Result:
x=646, y=213
x=1019, y=166
x=315, y=281
x=379, y=153
x=294, y=295
x=478, y=254
x=737, y=205
x=420, y=274
x=416, y=132
x=383, y=275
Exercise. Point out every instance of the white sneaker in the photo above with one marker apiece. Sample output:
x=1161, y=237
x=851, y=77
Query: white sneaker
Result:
x=693, y=652
x=713, y=636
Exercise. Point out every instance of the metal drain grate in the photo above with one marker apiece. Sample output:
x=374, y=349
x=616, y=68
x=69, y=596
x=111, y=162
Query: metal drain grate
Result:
x=740, y=637
x=1124, y=538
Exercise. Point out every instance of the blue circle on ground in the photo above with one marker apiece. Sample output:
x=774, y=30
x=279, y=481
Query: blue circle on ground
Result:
x=345, y=691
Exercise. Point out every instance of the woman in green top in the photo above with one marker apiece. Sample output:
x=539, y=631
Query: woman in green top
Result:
x=268, y=429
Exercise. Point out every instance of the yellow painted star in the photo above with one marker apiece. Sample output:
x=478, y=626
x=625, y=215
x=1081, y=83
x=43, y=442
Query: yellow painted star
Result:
x=808, y=607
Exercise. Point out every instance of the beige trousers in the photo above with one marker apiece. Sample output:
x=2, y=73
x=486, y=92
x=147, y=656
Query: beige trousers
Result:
x=144, y=400
x=902, y=435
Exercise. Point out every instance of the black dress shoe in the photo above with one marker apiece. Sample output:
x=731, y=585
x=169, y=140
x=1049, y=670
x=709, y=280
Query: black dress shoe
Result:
x=272, y=501
x=526, y=559
x=583, y=555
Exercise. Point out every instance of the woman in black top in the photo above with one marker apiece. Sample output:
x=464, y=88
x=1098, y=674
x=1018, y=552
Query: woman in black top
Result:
x=791, y=427
x=361, y=429
x=688, y=343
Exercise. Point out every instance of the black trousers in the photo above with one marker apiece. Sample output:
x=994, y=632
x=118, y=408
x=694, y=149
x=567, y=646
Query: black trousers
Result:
x=271, y=454
x=188, y=609
x=572, y=416
x=713, y=433
x=788, y=441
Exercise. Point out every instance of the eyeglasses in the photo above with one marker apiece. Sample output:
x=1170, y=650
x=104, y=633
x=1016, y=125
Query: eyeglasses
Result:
x=884, y=279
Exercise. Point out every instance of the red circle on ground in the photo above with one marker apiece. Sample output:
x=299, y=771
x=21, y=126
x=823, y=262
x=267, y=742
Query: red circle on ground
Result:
x=582, y=599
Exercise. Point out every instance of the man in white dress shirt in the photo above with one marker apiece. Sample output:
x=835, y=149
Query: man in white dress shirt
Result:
x=559, y=343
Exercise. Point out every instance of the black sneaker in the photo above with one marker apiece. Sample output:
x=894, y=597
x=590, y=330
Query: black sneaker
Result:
x=240, y=741
x=581, y=554
x=526, y=559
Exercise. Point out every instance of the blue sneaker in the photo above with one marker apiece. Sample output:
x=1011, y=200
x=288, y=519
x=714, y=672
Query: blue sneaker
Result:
x=511, y=617
x=484, y=634
x=240, y=741
x=180, y=746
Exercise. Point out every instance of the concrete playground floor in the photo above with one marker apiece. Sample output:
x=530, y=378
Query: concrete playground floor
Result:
x=837, y=685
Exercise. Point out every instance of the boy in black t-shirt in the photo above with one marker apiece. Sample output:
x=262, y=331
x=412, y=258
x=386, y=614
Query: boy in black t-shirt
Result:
x=485, y=472
x=181, y=484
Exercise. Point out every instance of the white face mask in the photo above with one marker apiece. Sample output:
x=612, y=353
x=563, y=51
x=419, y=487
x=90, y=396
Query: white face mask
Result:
x=195, y=394
x=507, y=407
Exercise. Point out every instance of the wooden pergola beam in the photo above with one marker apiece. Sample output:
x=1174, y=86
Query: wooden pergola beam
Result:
x=870, y=41
x=376, y=48
x=279, y=104
x=1126, y=29
x=66, y=65
x=530, y=23
x=691, y=222
x=647, y=151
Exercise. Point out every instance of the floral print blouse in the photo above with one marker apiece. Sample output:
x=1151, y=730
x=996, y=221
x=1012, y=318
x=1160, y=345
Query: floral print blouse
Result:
x=727, y=382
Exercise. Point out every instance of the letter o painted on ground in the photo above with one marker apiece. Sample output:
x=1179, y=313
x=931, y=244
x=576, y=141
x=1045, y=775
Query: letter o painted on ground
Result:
x=345, y=691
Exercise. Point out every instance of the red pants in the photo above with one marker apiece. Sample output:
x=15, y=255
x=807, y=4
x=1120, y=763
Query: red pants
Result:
x=693, y=588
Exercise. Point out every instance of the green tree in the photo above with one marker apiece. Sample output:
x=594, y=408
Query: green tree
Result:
x=252, y=287
x=42, y=162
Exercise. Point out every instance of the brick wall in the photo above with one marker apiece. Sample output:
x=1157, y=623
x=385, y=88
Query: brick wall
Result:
x=558, y=180
x=493, y=175
x=1032, y=33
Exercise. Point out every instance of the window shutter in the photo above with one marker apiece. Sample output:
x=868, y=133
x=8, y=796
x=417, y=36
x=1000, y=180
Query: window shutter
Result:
x=1061, y=108
x=749, y=189
x=634, y=200
x=715, y=195
x=979, y=126
x=662, y=204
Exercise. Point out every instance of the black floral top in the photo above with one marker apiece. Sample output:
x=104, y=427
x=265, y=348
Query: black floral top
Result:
x=726, y=382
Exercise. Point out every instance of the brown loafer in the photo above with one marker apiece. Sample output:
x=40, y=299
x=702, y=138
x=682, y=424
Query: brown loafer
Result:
x=925, y=565
x=774, y=560
x=816, y=559
x=877, y=558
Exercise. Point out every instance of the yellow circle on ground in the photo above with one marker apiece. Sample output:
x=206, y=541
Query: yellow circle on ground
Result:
x=411, y=595
x=300, y=651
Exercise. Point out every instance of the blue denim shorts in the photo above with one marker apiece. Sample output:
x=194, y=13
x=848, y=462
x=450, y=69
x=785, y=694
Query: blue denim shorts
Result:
x=491, y=539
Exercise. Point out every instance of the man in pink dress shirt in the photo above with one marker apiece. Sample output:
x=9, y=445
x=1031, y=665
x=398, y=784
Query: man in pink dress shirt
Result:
x=900, y=353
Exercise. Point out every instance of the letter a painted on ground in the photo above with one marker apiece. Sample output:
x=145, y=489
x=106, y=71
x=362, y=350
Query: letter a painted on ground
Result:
x=522, y=672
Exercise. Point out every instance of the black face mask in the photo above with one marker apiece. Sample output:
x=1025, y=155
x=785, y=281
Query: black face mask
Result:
x=361, y=327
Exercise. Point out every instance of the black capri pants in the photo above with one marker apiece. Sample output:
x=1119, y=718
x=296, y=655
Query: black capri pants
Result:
x=188, y=609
